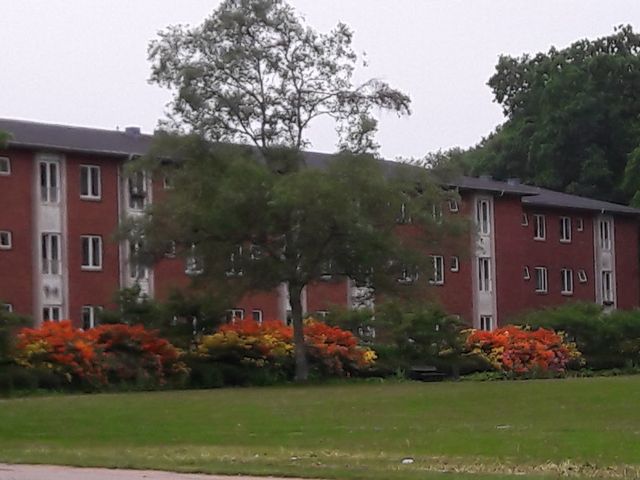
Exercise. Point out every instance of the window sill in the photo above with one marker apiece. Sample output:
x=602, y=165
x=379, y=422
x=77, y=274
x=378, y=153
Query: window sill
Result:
x=566, y=294
x=90, y=199
x=540, y=239
x=85, y=268
x=6, y=247
x=542, y=292
x=565, y=241
x=436, y=284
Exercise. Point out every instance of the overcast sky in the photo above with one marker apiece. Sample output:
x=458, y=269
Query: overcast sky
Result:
x=84, y=62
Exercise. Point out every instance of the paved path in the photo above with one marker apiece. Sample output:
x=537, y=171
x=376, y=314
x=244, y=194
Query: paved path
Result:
x=51, y=472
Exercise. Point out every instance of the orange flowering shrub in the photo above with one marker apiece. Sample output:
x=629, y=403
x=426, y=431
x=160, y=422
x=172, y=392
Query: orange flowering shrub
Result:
x=519, y=352
x=335, y=351
x=133, y=353
x=248, y=342
x=98, y=357
x=270, y=344
x=59, y=347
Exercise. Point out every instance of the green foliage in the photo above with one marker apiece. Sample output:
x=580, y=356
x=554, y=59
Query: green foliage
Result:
x=10, y=323
x=419, y=334
x=572, y=118
x=253, y=72
x=606, y=340
x=183, y=316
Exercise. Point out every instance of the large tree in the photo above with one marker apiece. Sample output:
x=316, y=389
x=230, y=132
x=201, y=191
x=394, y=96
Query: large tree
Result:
x=254, y=217
x=573, y=119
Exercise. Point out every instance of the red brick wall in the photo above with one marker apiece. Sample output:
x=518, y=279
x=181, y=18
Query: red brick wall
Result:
x=16, y=215
x=92, y=217
x=516, y=248
x=627, y=272
x=325, y=295
x=268, y=302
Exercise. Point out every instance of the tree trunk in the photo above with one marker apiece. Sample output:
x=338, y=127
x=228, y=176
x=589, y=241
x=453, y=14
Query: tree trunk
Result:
x=302, y=364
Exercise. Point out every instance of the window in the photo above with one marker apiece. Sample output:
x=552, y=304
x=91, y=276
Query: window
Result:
x=605, y=234
x=137, y=190
x=89, y=316
x=607, y=287
x=566, y=280
x=90, y=185
x=525, y=220
x=137, y=271
x=256, y=315
x=436, y=213
x=525, y=273
x=483, y=216
x=167, y=183
x=542, y=284
x=7, y=307
x=455, y=264
x=579, y=224
x=49, y=181
x=235, y=264
x=5, y=166
x=51, y=314
x=582, y=276
x=484, y=274
x=540, y=227
x=50, y=253
x=6, y=240
x=437, y=277
x=321, y=314
x=486, y=323
x=234, y=314
x=408, y=276
x=170, y=251
x=565, y=229
x=404, y=216
x=91, y=252
x=453, y=206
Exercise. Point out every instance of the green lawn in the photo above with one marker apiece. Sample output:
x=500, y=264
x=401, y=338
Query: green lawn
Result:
x=467, y=430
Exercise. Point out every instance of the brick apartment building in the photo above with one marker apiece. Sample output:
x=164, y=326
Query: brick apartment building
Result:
x=63, y=194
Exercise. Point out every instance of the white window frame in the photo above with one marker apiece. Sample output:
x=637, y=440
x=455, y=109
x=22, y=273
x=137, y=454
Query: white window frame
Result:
x=524, y=220
x=93, y=245
x=453, y=206
x=485, y=280
x=49, y=180
x=539, y=227
x=137, y=191
x=51, y=313
x=483, y=216
x=607, y=287
x=7, y=307
x=455, y=263
x=91, y=312
x=51, y=253
x=437, y=273
x=604, y=230
x=579, y=224
x=87, y=174
x=234, y=313
x=167, y=183
x=5, y=172
x=136, y=270
x=408, y=276
x=436, y=212
x=566, y=281
x=542, y=280
x=525, y=273
x=6, y=240
x=565, y=229
x=486, y=323
x=257, y=315
x=582, y=276
x=404, y=218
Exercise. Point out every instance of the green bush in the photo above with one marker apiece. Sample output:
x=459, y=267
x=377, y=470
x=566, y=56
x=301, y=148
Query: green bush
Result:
x=606, y=340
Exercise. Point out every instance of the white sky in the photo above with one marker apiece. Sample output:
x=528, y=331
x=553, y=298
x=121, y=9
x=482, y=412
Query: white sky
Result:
x=83, y=62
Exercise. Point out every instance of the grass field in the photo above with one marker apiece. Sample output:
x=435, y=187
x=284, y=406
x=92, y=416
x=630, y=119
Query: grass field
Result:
x=467, y=430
